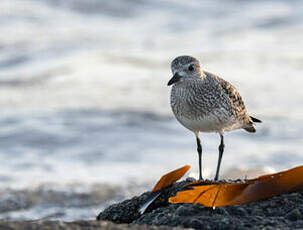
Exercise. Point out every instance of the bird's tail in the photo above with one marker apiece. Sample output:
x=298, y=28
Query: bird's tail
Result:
x=250, y=126
x=250, y=129
x=255, y=120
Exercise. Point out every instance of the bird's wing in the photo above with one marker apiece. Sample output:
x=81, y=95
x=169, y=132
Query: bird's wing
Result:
x=234, y=97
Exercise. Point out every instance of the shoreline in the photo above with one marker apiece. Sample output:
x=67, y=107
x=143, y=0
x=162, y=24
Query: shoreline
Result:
x=75, y=225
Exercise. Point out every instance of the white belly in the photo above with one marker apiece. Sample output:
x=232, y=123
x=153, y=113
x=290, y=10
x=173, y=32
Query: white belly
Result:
x=208, y=124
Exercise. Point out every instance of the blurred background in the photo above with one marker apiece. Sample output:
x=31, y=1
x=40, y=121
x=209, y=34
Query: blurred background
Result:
x=85, y=117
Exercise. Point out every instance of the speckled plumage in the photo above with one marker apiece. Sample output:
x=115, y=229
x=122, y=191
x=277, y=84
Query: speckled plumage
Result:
x=210, y=101
x=204, y=102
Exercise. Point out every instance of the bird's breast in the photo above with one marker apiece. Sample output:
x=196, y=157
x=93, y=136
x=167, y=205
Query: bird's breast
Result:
x=199, y=114
x=184, y=103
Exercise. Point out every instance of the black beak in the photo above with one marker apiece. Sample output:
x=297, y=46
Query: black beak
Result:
x=174, y=79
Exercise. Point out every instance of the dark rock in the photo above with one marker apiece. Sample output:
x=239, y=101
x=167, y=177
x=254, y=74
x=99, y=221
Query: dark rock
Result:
x=280, y=212
x=298, y=224
x=127, y=211
x=193, y=223
x=294, y=215
x=237, y=211
x=221, y=211
x=184, y=211
x=257, y=211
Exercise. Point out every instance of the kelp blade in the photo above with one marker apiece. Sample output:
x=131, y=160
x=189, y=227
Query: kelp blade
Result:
x=216, y=195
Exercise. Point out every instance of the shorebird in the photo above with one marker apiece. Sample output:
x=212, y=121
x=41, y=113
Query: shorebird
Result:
x=204, y=102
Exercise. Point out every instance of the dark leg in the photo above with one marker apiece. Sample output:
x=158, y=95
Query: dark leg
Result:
x=199, y=149
x=221, y=149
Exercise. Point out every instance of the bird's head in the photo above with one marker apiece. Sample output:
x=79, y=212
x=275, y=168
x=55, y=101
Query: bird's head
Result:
x=185, y=68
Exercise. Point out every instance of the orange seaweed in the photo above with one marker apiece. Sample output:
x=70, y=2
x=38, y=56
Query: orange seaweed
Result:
x=216, y=195
x=170, y=178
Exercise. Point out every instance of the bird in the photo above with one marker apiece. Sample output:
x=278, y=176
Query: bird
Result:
x=204, y=102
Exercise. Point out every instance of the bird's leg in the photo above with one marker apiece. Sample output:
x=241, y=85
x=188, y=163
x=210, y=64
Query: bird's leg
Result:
x=221, y=149
x=199, y=149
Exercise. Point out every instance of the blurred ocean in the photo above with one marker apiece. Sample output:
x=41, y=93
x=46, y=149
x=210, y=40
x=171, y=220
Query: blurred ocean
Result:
x=85, y=117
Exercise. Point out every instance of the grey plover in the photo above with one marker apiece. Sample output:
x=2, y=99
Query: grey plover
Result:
x=204, y=102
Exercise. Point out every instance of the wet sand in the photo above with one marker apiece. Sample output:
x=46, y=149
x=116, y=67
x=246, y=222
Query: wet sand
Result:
x=76, y=225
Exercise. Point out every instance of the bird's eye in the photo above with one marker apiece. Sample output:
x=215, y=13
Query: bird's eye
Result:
x=191, y=68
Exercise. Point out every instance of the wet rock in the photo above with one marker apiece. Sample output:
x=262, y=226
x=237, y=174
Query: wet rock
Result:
x=294, y=215
x=298, y=224
x=127, y=211
x=237, y=211
x=193, y=223
x=272, y=213
x=184, y=211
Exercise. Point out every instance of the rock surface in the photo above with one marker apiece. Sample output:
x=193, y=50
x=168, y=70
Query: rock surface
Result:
x=280, y=212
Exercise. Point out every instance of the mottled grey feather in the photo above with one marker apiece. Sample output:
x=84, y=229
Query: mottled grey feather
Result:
x=236, y=101
x=205, y=102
